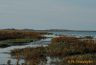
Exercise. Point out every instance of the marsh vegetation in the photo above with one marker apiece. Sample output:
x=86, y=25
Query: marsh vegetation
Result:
x=69, y=51
x=18, y=37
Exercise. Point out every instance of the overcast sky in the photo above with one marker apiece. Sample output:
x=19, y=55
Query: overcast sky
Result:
x=48, y=14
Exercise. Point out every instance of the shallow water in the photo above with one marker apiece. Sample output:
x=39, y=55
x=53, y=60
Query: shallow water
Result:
x=5, y=52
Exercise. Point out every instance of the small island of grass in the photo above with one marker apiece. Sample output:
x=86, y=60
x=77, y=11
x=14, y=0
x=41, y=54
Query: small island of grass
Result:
x=18, y=37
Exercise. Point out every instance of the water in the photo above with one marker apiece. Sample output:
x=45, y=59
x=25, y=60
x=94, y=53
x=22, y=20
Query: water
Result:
x=5, y=52
x=74, y=33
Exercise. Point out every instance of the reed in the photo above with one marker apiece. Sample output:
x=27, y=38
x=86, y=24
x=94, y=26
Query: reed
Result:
x=14, y=34
x=32, y=56
x=61, y=47
x=85, y=59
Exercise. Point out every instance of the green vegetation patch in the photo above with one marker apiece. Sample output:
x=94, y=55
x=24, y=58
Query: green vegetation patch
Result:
x=20, y=40
x=12, y=42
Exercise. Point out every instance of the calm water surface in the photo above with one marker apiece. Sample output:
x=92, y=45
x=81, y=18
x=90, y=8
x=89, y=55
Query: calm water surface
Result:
x=73, y=33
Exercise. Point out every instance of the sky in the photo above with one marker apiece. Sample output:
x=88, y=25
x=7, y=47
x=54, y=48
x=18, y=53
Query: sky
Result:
x=48, y=14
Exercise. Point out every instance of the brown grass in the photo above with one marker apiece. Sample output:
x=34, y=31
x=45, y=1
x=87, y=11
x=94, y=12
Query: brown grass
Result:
x=62, y=47
x=85, y=59
x=15, y=34
x=32, y=56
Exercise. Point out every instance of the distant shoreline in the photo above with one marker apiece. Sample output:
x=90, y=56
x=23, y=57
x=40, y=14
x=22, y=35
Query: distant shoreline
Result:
x=51, y=30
